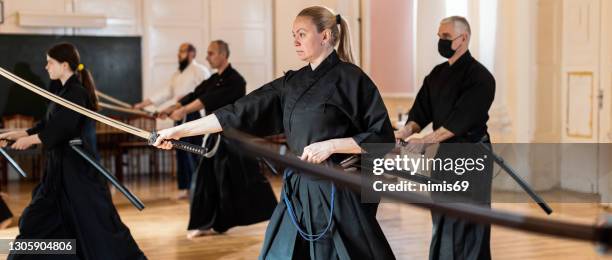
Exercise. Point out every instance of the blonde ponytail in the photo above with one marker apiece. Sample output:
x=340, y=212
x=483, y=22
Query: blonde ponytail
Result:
x=324, y=18
x=345, y=49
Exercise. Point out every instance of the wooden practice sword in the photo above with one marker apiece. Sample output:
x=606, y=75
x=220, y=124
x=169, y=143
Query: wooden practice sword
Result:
x=150, y=136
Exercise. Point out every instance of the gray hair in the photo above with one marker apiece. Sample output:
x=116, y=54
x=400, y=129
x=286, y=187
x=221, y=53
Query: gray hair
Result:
x=223, y=47
x=461, y=24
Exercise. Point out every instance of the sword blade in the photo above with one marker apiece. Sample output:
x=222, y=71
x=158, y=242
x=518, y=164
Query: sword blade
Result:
x=75, y=144
x=114, y=100
x=74, y=107
x=124, y=110
x=150, y=137
x=524, y=185
x=13, y=163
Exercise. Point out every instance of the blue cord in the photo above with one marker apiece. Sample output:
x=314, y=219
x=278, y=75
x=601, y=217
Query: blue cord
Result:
x=303, y=234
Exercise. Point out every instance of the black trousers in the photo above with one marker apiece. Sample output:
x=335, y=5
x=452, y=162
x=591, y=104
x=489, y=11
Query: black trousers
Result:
x=186, y=161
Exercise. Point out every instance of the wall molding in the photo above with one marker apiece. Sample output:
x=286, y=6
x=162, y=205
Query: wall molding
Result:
x=581, y=74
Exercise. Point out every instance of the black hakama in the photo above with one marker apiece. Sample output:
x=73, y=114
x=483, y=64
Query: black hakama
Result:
x=5, y=212
x=230, y=190
x=336, y=100
x=73, y=201
x=458, y=97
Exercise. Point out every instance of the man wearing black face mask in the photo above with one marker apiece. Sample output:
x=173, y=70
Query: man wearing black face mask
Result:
x=188, y=76
x=455, y=97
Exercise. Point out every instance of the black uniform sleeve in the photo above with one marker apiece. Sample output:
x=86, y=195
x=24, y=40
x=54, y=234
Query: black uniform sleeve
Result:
x=370, y=113
x=63, y=124
x=54, y=87
x=190, y=97
x=232, y=91
x=473, y=105
x=193, y=95
x=185, y=100
x=36, y=128
x=420, y=112
x=258, y=113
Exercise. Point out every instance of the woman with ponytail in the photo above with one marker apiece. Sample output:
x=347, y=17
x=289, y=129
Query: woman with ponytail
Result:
x=329, y=109
x=72, y=201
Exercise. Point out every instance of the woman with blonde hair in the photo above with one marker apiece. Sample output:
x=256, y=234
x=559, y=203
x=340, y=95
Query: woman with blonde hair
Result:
x=328, y=110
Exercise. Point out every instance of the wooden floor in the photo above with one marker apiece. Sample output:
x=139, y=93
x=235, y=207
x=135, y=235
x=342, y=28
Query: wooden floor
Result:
x=160, y=228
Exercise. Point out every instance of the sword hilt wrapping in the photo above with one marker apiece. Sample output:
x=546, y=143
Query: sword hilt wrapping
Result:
x=180, y=145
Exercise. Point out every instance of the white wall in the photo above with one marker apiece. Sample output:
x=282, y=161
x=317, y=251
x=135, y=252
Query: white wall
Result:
x=11, y=7
x=259, y=32
x=429, y=14
x=606, y=71
x=557, y=58
x=167, y=25
x=163, y=25
x=124, y=16
x=247, y=27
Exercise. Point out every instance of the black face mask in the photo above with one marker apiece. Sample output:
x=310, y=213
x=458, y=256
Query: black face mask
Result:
x=183, y=64
x=445, y=47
